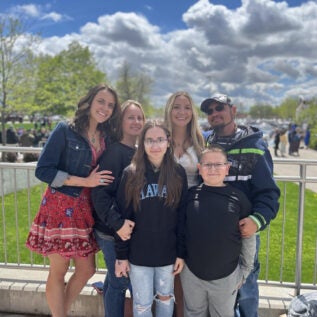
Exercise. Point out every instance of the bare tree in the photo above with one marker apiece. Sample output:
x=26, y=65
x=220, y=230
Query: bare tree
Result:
x=132, y=85
x=14, y=51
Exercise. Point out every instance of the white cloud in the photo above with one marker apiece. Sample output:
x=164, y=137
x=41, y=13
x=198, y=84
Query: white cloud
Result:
x=261, y=52
x=56, y=17
x=30, y=10
x=41, y=12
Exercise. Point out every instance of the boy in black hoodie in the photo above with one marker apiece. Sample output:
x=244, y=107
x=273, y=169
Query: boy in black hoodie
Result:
x=218, y=260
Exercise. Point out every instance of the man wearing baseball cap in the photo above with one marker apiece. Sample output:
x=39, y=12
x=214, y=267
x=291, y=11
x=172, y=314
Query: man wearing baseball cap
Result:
x=252, y=172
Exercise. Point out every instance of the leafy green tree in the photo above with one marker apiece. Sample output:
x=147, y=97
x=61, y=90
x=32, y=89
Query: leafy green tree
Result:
x=64, y=78
x=262, y=111
x=287, y=109
x=23, y=91
x=309, y=116
x=14, y=55
x=134, y=86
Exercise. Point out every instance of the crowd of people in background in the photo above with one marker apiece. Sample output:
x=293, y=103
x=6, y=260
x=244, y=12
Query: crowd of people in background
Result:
x=33, y=137
x=291, y=140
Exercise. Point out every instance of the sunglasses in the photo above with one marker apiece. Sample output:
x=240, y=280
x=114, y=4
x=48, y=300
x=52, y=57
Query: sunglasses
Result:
x=218, y=108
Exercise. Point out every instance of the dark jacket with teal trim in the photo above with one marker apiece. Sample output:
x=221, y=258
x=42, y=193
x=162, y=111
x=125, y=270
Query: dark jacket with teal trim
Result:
x=251, y=171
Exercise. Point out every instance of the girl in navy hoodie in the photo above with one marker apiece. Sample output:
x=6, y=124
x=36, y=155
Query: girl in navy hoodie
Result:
x=152, y=194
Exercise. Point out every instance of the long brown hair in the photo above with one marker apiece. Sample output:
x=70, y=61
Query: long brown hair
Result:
x=168, y=172
x=81, y=120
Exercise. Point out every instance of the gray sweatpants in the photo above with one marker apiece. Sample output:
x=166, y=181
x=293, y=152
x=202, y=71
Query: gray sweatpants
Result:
x=216, y=296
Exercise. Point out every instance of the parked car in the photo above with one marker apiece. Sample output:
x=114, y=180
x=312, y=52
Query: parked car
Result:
x=13, y=117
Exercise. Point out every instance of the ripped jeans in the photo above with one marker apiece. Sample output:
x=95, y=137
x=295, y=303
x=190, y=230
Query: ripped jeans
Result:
x=149, y=283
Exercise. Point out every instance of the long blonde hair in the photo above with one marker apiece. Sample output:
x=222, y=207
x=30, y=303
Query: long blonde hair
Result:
x=194, y=135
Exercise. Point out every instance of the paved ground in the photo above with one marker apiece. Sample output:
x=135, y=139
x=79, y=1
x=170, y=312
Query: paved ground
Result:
x=291, y=169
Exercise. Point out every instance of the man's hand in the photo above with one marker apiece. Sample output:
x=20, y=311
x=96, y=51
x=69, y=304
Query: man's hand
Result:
x=247, y=227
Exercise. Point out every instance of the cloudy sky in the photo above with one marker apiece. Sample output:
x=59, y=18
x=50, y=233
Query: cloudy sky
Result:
x=256, y=51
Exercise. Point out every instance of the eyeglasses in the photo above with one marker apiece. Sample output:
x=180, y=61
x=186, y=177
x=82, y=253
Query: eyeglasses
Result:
x=151, y=142
x=218, y=108
x=209, y=166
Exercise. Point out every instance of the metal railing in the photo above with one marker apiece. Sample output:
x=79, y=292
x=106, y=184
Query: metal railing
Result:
x=303, y=173
x=21, y=194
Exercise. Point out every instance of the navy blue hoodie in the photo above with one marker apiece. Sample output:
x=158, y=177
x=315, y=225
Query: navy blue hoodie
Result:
x=251, y=171
x=158, y=235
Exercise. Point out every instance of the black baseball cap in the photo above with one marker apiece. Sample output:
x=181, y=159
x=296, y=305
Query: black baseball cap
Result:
x=221, y=98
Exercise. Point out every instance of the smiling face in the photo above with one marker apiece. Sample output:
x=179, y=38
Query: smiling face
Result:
x=182, y=111
x=213, y=168
x=221, y=118
x=132, y=121
x=155, y=145
x=101, y=107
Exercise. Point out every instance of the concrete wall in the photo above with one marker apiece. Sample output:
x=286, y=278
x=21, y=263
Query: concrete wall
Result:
x=23, y=291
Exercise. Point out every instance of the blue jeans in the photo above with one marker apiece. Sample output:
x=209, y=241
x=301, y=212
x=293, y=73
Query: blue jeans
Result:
x=147, y=281
x=114, y=288
x=248, y=294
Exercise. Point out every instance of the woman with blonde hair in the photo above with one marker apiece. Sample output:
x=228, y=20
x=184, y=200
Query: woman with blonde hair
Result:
x=181, y=119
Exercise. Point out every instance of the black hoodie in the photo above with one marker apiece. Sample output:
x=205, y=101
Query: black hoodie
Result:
x=157, y=237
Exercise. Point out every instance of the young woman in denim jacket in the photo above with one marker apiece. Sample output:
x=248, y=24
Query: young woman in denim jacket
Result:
x=62, y=228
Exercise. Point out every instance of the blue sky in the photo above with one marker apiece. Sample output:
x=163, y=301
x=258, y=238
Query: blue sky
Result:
x=257, y=51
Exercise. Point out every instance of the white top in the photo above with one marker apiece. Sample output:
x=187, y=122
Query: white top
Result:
x=189, y=161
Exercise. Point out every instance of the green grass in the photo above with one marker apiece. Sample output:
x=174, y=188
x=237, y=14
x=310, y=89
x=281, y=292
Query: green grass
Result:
x=19, y=212
x=282, y=256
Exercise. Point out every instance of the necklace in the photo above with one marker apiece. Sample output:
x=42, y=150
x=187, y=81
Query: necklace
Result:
x=92, y=138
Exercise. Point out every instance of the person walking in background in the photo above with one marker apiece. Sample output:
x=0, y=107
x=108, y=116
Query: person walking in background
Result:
x=27, y=140
x=276, y=142
x=12, y=136
x=217, y=260
x=41, y=136
x=12, y=139
x=152, y=193
x=290, y=135
x=182, y=120
x=108, y=223
x=307, y=137
x=63, y=227
x=251, y=171
x=295, y=140
x=283, y=142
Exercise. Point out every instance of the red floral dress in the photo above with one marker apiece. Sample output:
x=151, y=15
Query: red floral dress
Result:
x=64, y=223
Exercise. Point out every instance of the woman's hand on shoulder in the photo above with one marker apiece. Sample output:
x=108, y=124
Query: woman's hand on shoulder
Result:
x=99, y=178
x=178, y=266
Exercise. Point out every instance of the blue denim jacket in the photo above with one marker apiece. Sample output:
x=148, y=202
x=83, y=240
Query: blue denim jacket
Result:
x=65, y=153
